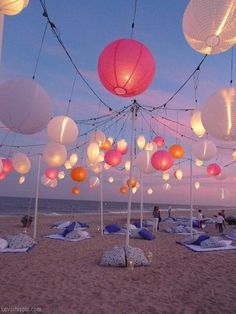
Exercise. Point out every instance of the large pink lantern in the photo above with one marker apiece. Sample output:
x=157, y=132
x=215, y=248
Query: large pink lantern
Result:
x=7, y=166
x=113, y=157
x=51, y=173
x=213, y=169
x=126, y=67
x=159, y=141
x=162, y=160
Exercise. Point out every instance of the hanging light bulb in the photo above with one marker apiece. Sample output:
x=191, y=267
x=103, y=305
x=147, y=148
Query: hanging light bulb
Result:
x=198, y=162
x=21, y=179
x=165, y=176
x=197, y=185
x=141, y=141
x=127, y=165
x=110, y=179
x=149, y=191
x=178, y=174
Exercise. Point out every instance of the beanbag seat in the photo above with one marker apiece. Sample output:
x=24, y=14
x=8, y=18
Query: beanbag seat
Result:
x=134, y=233
x=200, y=239
x=113, y=228
x=3, y=244
x=146, y=234
x=212, y=242
x=68, y=229
x=77, y=234
x=136, y=255
x=114, y=257
x=19, y=241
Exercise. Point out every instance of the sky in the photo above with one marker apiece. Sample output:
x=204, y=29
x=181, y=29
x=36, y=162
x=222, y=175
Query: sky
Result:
x=86, y=28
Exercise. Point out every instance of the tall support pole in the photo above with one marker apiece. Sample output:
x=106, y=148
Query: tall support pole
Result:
x=101, y=196
x=134, y=111
x=191, y=196
x=1, y=35
x=36, y=198
x=141, y=201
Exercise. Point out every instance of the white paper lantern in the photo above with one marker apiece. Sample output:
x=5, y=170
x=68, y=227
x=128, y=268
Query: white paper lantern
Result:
x=51, y=183
x=96, y=168
x=204, y=150
x=110, y=179
x=54, y=154
x=98, y=137
x=106, y=166
x=219, y=114
x=67, y=165
x=149, y=191
x=127, y=165
x=151, y=146
x=196, y=123
x=141, y=142
x=94, y=182
x=197, y=185
x=21, y=179
x=21, y=163
x=143, y=161
x=178, y=174
x=165, y=176
x=63, y=130
x=61, y=175
x=73, y=159
x=93, y=152
x=198, y=162
x=209, y=26
x=12, y=7
x=25, y=106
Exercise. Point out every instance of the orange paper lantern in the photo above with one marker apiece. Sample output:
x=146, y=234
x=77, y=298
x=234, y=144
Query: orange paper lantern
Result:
x=176, y=151
x=75, y=190
x=123, y=189
x=78, y=174
x=106, y=145
x=131, y=182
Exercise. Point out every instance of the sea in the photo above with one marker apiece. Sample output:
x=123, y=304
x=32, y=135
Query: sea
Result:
x=25, y=206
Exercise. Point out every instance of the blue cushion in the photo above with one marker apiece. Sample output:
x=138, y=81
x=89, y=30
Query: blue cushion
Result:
x=146, y=234
x=195, y=223
x=113, y=228
x=200, y=239
x=68, y=229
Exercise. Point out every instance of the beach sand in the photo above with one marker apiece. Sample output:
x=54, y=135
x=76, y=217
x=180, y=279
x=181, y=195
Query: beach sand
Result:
x=64, y=277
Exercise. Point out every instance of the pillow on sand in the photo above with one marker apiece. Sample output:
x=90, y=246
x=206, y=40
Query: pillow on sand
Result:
x=68, y=229
x=146, y=234
x=200, y=239
x=115, y=257
x=189, y=240
x=3, y=244
x=136, y=255
x=113, y=228
x=19, y=241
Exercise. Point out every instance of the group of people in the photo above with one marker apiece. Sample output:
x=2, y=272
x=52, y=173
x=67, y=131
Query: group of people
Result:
x=220, y=220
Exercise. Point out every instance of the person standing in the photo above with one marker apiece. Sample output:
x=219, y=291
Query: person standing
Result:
x=169, y=211
x=200, y=218
x=156, y=218
x=220, y=222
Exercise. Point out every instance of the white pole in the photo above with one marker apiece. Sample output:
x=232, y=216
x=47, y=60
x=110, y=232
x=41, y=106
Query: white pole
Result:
x=134, y=110
x=191, y=196
x=101, y=191
x=1, y=34
x=141, y=205
x=36, y=198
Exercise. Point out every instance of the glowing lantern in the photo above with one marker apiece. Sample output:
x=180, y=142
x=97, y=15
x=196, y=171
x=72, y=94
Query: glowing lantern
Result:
x=67, y=165
x=122, y=146
x=141, y=141
x=123, y=189
x=7, y=166
x=131, y=182
x=196, y=123
x=213, y=169
x=204, y=150
x=93, y=182
x=149, y=191
x=198, y=162
x=78, y=174
x=25, y=106
x=176, y=151
x=54, y=154
x=96, y=168
x=12, y=7
x=75, y=190
x=162, y=160
x=110, y=139
x=93, y=152
x=178, y=174
x=165, y=176
x=61, y=175
x=106, y=145
x=143, y=161
x=98, y=137
x=166, y=186
x=21, y=163
x=219, y=114
x=126, y=67
x=209, y=26
x=113, y=157
x=51, y=173
x=52, y=183
x=151, y=146
x=197, y=185
x=159, y=141
x=3, y=175
x=127, y=165
x=134, y=190
x=21, y=179
x=73, y=159
x=110, y=179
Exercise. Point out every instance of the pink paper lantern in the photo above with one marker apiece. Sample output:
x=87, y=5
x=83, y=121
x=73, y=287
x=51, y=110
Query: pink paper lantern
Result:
x=7, y=166
x=213, y=169
x=113, y=157
x=159, y=141
x=162, y=160
x=51, y=173
x=126, y=67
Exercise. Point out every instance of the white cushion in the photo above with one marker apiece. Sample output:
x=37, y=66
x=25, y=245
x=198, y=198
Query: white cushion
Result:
x=3, y=244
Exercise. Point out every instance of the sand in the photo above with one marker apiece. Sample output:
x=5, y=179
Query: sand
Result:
x=63, y=277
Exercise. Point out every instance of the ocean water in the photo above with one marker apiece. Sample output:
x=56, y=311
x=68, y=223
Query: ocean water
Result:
x=23, y=206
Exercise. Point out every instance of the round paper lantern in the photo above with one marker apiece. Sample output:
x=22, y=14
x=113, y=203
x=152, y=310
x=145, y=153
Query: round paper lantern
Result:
x=21, y=163
x=61, y=175
x=126, y=67
x=196, y=123
x=204, y=150
x=96, y=168
x=122, y=146
x=123, y=189
x=75, y=190
x=3, y=175
x=54, y=154
x=178, y=174
x=127, y=165
x=209, y=26
x=21, y=179
x=73, y=159
x=25, y=106
x=141, y=141
x=106, y=145
x=213, y=169
x=110, y=179
x=197, y=185
x=162, y=160
x=113, y=157
x=131, y=182
x=51, y=173
x=143, y=161
x=7, y=166
x=78, y=174
x=93, y=152
x=12, y=7
x=63, y=130
x=94, y=182
x=165, y=176
x=51, y=183
x=176, y=151
x=67, y=165
x=149, y=191
x=198, y=162
x=159, y=141
x=219, y=114
x=98, y=137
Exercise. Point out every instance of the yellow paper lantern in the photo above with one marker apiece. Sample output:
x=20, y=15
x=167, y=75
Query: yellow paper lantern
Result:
x=73, y=159
x=93, y=152
x=127, y=165
x=54, y=154
x=198, y=162
x=165, y=176
x=12, y=7
x=141, y=142
x=21, y=163
x=178, y=174
x=196, y=123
